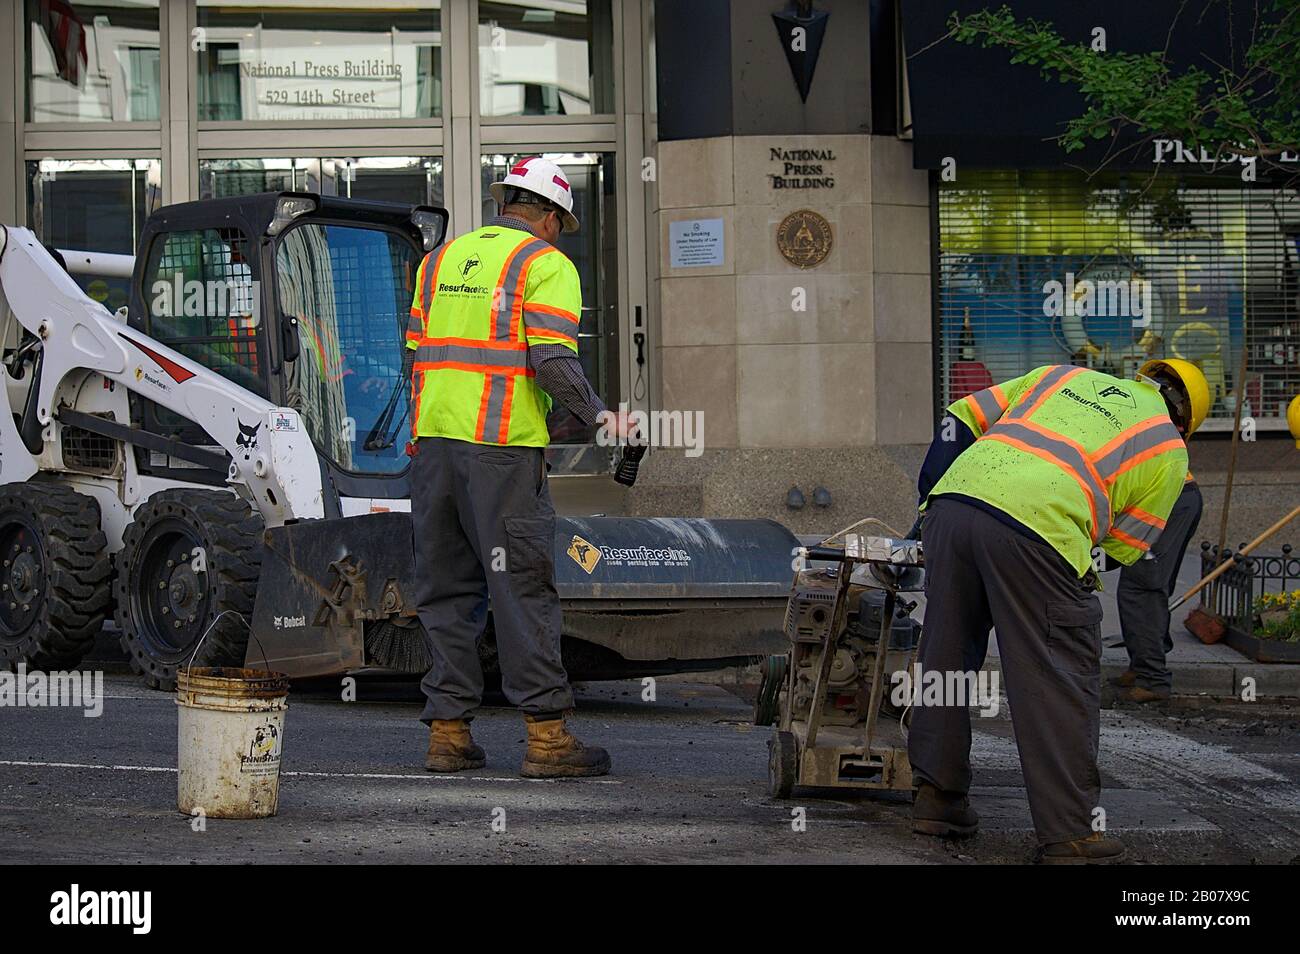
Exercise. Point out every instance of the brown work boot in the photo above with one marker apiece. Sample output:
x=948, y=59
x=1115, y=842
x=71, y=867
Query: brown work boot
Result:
x=554, y=753
x=945, y=814
x=451, y=748
x=1125, y=679
x=1096, y=849
x=1141, y=694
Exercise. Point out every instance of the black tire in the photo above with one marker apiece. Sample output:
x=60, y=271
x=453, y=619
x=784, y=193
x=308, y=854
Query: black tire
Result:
x=54, y=575
x=159, y=548
x=782, y=764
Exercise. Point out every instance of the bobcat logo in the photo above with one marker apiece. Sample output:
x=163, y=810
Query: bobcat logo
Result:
x=247, y=437
x=584, y=553
x=470, y=267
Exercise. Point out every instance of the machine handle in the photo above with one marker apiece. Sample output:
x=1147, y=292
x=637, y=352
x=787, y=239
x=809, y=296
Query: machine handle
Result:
x=832, y=554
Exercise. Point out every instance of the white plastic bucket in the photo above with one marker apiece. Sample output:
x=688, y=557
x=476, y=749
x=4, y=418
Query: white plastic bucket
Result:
x=230, y=734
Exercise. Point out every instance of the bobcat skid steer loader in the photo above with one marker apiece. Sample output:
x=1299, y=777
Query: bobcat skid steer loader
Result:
x=220, y=465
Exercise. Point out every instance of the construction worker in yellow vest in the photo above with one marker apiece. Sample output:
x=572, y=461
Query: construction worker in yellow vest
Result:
x=1146, y=585
x=1022, y=481
x=494, y=328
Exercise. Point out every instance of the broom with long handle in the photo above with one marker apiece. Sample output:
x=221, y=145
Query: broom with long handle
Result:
x=1231, y=561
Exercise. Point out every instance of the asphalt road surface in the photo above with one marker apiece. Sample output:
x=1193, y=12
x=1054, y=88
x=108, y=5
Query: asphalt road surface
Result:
x=1184, y=785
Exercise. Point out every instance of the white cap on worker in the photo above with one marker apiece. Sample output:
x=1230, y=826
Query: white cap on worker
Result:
x=542, y=178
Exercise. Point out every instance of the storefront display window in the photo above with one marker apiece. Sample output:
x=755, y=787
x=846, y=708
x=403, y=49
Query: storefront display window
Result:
x=93, y=62
x=1041, y=268
x=278, y=61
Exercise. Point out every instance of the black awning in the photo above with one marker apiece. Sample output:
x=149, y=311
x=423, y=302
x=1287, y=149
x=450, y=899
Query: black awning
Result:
x=974, y=105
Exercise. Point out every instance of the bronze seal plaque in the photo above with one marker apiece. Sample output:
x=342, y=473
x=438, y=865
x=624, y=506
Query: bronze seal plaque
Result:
x=804, y=238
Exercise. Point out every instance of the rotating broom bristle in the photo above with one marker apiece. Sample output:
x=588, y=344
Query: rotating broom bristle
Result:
x=399, y=648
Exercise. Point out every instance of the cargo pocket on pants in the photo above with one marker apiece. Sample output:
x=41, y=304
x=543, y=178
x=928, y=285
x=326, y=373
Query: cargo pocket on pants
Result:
x=530, y=554
x=532, y=573
x=1074, y=636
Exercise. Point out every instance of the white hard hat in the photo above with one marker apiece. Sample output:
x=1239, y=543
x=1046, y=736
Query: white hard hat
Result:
x=543, y=178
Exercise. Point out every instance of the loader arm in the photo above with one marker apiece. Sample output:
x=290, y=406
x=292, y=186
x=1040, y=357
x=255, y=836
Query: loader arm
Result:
x=274, y=464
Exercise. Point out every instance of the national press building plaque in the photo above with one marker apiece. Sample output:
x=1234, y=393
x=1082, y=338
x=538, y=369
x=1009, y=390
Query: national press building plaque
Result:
x=804, y=238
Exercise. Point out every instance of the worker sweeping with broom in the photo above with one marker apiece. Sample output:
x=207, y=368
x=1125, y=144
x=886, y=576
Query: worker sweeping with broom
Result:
x=1021, y=482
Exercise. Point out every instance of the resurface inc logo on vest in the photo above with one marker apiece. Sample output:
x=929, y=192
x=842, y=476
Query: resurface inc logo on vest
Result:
x=75, y=907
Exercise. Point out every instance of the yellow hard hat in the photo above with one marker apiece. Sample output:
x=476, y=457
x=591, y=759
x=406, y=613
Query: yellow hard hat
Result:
x=1293, y=419
x=1191, y=380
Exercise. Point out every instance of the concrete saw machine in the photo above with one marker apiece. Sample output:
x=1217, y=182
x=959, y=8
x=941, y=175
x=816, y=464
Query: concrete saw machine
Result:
x=219, y=465
x=850, y=626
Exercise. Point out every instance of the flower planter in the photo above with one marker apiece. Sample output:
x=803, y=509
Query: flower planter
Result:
x=1262, y=650
x=1250, y=596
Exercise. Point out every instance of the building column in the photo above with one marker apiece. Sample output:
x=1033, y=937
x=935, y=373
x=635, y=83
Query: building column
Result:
x=13, y=100
x=177, y=20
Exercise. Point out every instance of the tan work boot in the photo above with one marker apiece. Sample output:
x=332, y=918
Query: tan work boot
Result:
x=1125, y=679
x=944, y=814
x=1093, y=850
x=1141, y=694
x=451, y=748
x=554, y=753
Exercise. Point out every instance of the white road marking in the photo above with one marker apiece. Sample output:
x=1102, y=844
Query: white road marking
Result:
x=429, y=776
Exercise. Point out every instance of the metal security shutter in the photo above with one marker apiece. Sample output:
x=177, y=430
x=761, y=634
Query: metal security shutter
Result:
x=1043, y=268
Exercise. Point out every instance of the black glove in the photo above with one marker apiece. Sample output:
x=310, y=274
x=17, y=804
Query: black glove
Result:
x=915, y=532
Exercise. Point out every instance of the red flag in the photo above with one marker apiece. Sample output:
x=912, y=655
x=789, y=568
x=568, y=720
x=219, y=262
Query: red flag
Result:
x=67, y=36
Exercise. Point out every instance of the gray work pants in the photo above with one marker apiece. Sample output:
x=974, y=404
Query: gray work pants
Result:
x=980, y=573
x=484, y=528
x=1144, y=592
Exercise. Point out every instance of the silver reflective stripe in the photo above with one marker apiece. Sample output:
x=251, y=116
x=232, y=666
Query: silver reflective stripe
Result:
x=1109, y=464
x=988, y=405
x=1138, y=529
x=467, y=354
x=495, y=406
x=550, y=322
x=508, y=300
x=1046, y=383
x=1070, y=457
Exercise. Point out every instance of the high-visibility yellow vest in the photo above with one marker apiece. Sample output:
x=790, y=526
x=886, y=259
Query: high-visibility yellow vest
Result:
x=1079, y=457
x=480, y=301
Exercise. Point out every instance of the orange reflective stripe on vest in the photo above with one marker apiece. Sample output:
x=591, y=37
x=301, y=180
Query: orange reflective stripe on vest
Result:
x=987, y=405
x=426, y=296
x=1137, y=528
x=1052, y=381
x=511, y=287
x=544, y=321
x=1140, y=442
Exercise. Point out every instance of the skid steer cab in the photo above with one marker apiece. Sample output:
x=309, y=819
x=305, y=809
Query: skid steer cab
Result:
x=221, y=468
x=262, y=352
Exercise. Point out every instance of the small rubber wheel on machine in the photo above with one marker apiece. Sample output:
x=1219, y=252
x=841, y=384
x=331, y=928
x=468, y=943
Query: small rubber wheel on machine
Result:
x=782, y=764
x=188, y=567
x=54, y=570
